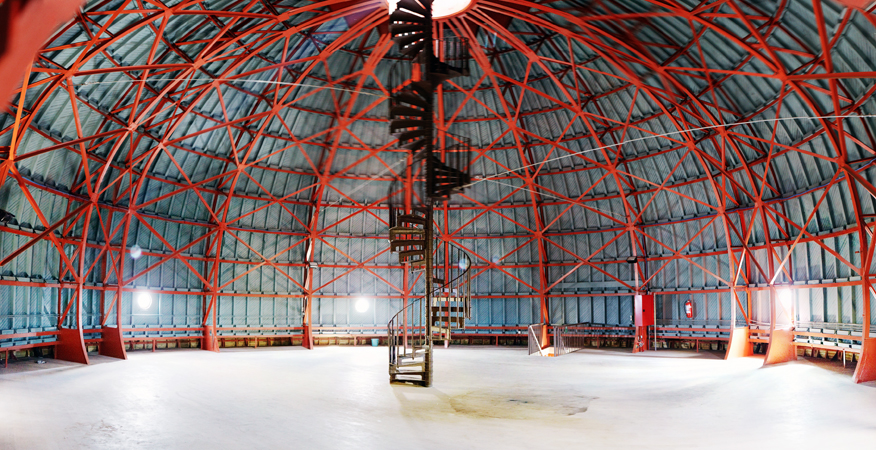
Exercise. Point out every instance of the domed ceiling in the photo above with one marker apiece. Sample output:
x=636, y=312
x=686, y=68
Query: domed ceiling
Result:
x=705, y=150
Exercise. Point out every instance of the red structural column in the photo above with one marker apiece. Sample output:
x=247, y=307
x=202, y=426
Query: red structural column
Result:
x=644, y=317
x=71, y=346
x=25, y=26
x=210, y=341
x=866, y=370
x=71, y=342
x=781, y=347
x=739, y=345
x=307, y=319
x=111, y=343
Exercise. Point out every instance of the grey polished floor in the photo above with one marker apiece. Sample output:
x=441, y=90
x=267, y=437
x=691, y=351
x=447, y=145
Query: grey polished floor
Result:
x=483, y=397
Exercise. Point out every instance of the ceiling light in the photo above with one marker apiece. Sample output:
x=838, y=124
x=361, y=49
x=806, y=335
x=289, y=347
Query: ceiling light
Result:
x=440, y=8
x=144, y=300
x=136, y=252
x=362, y=304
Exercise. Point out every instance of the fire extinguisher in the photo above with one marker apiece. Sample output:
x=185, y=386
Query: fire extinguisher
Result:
x=688, y=309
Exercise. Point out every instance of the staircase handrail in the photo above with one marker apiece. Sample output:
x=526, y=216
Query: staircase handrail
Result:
x=408, y=339
x=408, y=336
x=534, y=339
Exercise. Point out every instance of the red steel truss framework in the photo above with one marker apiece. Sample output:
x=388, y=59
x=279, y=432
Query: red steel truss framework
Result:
x=260, y=24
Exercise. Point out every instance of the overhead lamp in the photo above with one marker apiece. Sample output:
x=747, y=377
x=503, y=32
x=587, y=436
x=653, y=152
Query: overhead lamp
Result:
x=144, y=299
x=362, y=304
x=136, y=251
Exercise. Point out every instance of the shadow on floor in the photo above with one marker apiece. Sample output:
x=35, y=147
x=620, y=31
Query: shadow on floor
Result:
x=33, y=364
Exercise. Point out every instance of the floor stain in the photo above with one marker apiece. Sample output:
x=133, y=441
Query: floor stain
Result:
x=501, y=404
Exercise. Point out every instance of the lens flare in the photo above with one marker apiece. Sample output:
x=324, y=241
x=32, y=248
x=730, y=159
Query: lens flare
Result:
x=144, y=300
x=362, y=304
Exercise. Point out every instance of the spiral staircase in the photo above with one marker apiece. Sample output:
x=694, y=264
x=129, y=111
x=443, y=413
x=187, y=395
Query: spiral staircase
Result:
x=436, y=175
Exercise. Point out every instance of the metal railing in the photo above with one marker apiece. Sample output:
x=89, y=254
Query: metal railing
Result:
x=453, y=52
x=722, y=323
x=854, y=327
x=454, y=266
x=568, y=339
x=534, y=338
x=456, y=155
x=573, y=337
x=408, y=331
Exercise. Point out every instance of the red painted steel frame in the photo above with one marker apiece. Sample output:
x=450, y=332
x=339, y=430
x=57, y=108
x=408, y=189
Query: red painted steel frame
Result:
x=739, y=345
x=131, y=120
x=643, y=313
x=112, y=343
x=866, y=369
x=25, y=26
x=781, y=347
x=71, y=346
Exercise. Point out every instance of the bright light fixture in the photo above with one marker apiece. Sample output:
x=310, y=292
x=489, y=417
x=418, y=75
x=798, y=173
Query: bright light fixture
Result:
x=785, y=297
x=144, y=300
x=362, y=304
x=440, y=8
x=136, y=252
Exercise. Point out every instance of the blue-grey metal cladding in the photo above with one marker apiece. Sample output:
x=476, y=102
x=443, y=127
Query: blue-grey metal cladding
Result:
x=525, y=106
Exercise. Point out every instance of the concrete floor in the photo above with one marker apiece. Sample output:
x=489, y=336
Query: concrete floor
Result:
x=483, y=397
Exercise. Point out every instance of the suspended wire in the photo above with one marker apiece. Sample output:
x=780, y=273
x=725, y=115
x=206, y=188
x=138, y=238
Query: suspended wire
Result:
x=239, y=80
x=709, y=127
x=544, y=194
x=371, y=180
x=491, y=178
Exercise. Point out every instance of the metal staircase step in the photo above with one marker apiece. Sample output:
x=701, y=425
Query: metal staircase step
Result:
x=406, y=111
x=411, y=98
x=415, y=365
x=410, y=218
x=450, y=309
x=413, y=49
x=404, y=257
x=403, y=124
x=445, y=300
x=399, y=29
x=446, y=319
x=422, y=88
x=414, y=145
x=408, y=40
x=395, y=245
x=447, y=71
x=411, y=5
x=405, y=231
x=400, y=15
